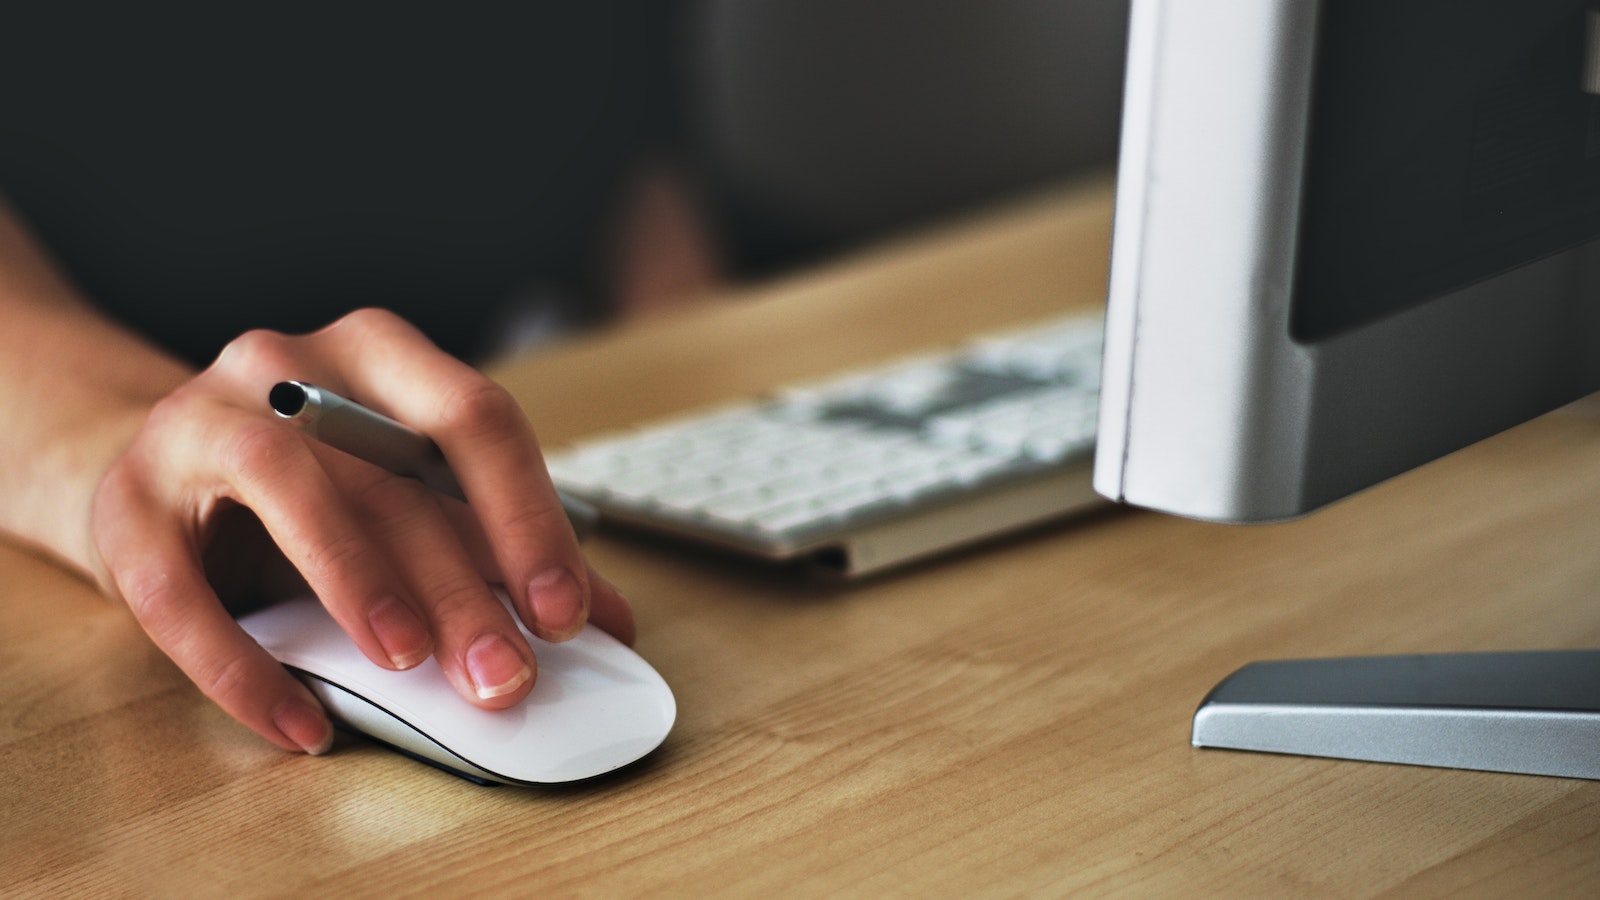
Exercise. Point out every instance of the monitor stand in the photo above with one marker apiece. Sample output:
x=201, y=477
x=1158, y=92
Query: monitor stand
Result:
x=1536, y=713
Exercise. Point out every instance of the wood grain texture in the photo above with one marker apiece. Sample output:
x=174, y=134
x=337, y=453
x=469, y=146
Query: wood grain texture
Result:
x=1010, y=720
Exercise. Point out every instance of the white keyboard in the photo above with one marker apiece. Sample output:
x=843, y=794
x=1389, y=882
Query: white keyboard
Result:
x=871, y=469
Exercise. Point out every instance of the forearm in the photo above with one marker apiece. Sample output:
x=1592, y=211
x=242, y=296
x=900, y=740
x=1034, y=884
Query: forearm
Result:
x=75, y=389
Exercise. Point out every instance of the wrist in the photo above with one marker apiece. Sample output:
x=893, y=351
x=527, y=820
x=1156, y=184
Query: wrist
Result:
x=72, y=412
x=78, y=387
x=61, y=508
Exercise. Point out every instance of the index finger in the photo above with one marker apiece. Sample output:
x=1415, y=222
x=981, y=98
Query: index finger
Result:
x=391, y=366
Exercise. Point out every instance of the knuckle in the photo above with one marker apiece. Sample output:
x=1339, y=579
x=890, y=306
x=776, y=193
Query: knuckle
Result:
x=172, y=414
x=478, y=406
x=226, y=682
x=368, y=317
x=259, y=449
x=117, y=494
x=151, y=596
x=326, y=560
x=257, y=350
x=366, y=323
x=534, y=520
x=148, y=593
x=395, y=499
x=458, y=600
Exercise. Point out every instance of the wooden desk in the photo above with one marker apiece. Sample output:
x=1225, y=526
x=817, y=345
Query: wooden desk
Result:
x=1013, y=720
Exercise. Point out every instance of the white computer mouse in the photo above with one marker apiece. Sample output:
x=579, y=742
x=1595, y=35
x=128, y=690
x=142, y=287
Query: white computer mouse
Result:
x=595, y=705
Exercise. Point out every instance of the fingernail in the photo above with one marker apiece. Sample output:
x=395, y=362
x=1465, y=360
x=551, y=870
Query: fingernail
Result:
x=404, y=638
x=305, y=725
x=556, y=598
x=496, y=667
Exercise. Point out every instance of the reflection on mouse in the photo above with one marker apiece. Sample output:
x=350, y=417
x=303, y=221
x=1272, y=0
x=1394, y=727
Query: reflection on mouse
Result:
x=596, y=705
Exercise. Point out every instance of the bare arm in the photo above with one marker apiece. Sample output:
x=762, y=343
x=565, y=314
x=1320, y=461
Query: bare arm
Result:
x=76, y=389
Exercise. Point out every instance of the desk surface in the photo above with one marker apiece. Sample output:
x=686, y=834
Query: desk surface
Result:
x=1010, y=720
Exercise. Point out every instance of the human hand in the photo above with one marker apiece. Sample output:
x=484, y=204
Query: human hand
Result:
x=404, y=571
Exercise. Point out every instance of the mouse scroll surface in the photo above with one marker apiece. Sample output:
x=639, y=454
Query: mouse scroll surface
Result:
x=595, y=705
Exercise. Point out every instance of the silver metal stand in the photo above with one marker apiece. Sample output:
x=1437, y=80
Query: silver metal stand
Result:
x=1536, y=713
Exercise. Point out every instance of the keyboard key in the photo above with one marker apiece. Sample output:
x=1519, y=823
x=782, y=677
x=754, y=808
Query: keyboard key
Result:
x=858, y=447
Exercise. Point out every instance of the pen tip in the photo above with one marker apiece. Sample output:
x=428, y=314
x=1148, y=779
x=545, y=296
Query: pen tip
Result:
x=288, y=398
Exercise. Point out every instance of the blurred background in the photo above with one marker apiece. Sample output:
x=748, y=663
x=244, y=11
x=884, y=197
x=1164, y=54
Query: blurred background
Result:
x=820, y=123
x=505, y=173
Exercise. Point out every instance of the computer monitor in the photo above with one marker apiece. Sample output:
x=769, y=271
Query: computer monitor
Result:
x=1350, y=237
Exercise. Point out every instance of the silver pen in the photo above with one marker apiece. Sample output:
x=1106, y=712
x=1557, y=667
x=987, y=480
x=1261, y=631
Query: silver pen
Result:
x=347, y=425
